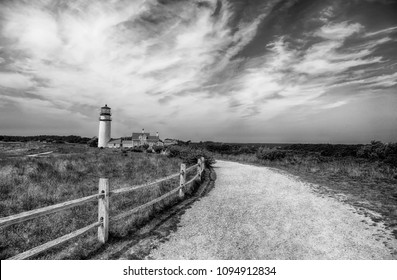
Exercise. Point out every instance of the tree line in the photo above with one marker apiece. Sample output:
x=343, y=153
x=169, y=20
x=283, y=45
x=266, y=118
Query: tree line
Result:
x=46, y=138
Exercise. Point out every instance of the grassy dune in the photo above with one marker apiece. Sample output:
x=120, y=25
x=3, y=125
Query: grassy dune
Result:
x=29, y=183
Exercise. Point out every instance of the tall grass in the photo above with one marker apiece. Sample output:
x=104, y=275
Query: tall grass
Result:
x=31, y=183
x=299, y=161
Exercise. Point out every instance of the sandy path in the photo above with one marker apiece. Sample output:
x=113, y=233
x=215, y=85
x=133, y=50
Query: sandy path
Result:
x=256, y=213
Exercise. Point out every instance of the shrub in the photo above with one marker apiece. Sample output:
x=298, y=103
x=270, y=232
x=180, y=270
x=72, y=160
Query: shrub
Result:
x=270, y=154
x=174, y=151
x=391, y=159
x=327, y=152
x=157, y=149
x=136, y=150
x=191, y=155
x=376, y=150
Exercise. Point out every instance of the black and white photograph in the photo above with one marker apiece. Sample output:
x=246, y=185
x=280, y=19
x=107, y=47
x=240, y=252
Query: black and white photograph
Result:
x=159, y=130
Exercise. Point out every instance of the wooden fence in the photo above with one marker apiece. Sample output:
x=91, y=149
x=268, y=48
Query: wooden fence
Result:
x=103, y=209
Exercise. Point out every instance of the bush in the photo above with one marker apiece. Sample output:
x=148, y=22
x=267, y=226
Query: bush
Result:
x=157, y=149
x=270, y=154
x=391, y=159
x=191, y=155
x=174, y=151
x=376, y=150
x=327, y=153
x=326, y=150
x=136, y=150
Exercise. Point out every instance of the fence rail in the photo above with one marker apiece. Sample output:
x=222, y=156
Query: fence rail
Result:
x=25, y=216
x=39, y=249
x=103, y=209
x=133, y=188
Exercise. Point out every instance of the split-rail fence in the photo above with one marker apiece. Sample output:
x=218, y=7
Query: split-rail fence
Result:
x=102, y=224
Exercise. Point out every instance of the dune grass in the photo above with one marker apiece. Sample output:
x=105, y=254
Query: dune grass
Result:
x=31, y=183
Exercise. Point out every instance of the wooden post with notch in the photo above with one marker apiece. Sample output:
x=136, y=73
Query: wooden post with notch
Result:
x=182, y=179
x=199, y=168
x=103, y=210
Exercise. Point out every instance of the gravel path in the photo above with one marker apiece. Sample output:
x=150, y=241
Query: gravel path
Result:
x=256, y=213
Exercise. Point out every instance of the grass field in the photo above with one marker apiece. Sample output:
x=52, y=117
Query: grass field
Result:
x=73, y=171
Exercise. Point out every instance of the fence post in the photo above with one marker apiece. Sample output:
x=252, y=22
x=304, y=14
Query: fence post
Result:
x=103, y=210
x=182, y=179
x=202, y=164
x=199, y=168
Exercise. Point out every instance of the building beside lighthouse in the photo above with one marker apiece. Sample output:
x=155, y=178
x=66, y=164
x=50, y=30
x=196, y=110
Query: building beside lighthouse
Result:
x=137, y=139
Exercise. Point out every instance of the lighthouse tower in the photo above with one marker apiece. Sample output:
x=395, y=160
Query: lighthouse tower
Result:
x=104, y=126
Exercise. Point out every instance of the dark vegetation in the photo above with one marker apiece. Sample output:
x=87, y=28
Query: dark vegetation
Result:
x=190, y=155
x=71, y=172
x=46, y=138
x=364, y=175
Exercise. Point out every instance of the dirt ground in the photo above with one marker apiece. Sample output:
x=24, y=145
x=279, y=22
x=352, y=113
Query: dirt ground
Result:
x=258, y=213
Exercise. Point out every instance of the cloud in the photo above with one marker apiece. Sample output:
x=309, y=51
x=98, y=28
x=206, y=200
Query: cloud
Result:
x=383, y=31
x=335, y=105
x=15, y=80
x=301, y=76
x=326, y=13
x=338, y=31
x=135, y=50
x=329, y=57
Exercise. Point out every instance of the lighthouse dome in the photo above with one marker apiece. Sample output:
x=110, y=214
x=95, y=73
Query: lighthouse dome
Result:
x=105, y=110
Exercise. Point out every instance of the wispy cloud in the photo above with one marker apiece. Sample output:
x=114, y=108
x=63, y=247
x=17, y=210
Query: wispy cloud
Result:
x=383, y=31
x=338, y=31
x=300, y=76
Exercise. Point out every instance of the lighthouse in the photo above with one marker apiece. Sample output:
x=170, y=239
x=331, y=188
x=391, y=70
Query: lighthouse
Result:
x=104, y=126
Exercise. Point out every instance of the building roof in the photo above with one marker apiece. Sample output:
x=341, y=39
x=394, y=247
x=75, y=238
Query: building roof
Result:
x=135, y=135
x=153, y=139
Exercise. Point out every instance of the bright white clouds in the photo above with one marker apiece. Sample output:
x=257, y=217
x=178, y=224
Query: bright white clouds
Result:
x=338, y=31
x=121, y=54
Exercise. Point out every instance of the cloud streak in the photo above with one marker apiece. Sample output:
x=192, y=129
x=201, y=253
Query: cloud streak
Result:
x=301, y=76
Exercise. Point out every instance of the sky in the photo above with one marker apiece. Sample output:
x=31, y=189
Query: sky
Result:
x=276, y=71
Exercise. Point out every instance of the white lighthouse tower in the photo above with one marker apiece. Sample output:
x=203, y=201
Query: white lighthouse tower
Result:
x=104, y=126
